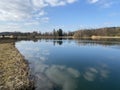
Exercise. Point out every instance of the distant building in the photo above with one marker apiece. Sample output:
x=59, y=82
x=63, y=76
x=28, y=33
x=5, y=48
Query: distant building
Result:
x=7, y=36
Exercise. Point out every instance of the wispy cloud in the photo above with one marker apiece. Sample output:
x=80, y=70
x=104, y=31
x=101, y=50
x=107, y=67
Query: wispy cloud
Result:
x=45, y=19
x=14, y=10
x=102, y=3
x=25, y=13
x=93, y=1
x=23, y=9
x=114, y=14
x=106, y=4
x=71, y=1
x=10, y=27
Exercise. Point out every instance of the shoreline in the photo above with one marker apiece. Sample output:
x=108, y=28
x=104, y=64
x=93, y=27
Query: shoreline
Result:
x=97, y=37
x=105, y=37
x=14, y=69
x=55, y=37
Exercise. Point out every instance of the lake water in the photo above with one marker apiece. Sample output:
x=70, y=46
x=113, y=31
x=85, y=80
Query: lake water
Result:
x=73, y=64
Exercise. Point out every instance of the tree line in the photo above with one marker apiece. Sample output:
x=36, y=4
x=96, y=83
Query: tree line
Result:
x=108, y=31
x=55, y=33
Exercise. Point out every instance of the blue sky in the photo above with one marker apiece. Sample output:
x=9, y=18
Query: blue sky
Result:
x=70, y=15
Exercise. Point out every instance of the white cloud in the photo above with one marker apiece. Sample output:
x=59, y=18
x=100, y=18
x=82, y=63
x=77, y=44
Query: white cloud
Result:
x=31, y=23
x=107, y=4
x=39, y=3
x=45, y=19
x=26, y=13
x=10, y=27
x=93, y=1
x=16, y=10
x=71, y=1
x=42, y=13
x=103, y=3
x=55, y=2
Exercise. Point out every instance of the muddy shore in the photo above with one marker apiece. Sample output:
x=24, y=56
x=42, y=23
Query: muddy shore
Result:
x=14, y=69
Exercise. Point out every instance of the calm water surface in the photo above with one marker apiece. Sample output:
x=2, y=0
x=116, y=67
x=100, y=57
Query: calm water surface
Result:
x=73, y=64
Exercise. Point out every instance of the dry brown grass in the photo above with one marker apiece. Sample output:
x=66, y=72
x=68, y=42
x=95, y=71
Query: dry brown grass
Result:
x=105, y=37
x=13, y=69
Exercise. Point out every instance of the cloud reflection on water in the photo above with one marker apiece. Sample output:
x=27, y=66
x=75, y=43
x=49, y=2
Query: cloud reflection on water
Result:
x=59, y=75
x=90, y=74
x=48, y=76
x=63, y=76
x=93, y=73
x=51, y=76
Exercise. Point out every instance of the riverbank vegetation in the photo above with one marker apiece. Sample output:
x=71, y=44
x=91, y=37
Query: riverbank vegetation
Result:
x=14, y=70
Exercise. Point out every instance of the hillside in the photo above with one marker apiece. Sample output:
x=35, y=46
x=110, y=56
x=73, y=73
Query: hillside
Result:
x=109, y=31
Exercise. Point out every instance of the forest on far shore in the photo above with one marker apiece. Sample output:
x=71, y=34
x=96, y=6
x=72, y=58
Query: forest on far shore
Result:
x=108, y=31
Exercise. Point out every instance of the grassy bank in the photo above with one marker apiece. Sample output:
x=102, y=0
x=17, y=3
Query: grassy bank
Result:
x=105, y=37
x=98, y=37
x=14, y=70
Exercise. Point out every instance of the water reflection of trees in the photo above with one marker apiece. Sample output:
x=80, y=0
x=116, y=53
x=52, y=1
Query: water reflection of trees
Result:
x=7, y=40
x=60, y=41
x=55, y=41
x=97, y=42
